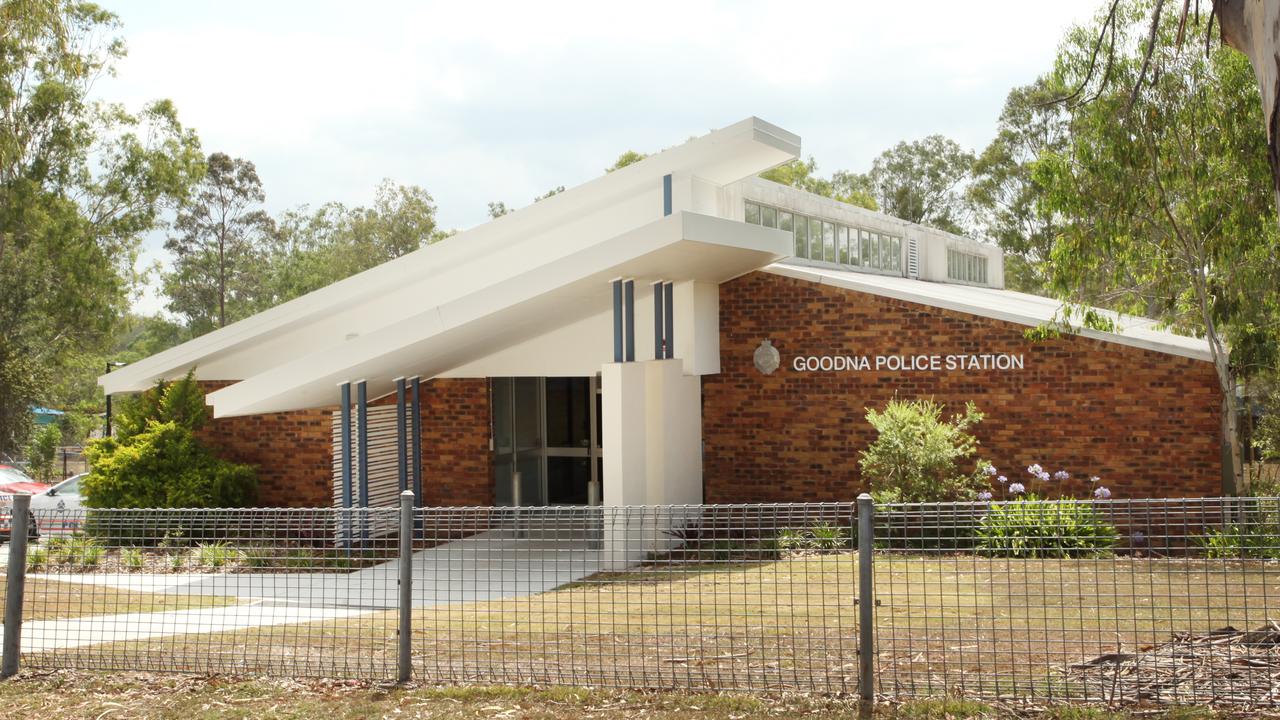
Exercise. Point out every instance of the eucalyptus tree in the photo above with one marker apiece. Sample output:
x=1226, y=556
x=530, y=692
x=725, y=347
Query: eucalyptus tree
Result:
x=1161, y=195
x=81, y=181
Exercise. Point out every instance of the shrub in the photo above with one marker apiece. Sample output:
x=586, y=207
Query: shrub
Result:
x=215, y=555
x=917, y=454
x=37, y=557
x=829, y=537
x=155, y=460
x=1033, y=528
x=42, y=453
x=132, y=558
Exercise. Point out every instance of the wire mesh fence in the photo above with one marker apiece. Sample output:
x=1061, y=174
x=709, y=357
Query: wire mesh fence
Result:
x=228, y=591
x=1142, y=600
x=708, y=597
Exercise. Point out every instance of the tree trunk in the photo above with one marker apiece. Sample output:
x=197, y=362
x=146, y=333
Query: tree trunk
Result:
x=1253, y=28
x=1238, y=481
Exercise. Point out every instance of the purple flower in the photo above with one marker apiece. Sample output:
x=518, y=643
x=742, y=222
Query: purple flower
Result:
x=984, y=495
x=1017, y=489
x=1139, y=537
x=1044, y=476
x=1102, y=493
x=1062, y=475
x=1002, y=479
x=1034, y=469
x=990, y=470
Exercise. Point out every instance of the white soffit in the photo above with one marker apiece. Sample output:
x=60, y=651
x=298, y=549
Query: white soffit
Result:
x=998, y=304
x=486, y=255
x=439, y=337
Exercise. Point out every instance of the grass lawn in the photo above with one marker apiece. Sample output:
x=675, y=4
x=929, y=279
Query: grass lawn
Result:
x=945, y=624
x=54, y=600
x=96, y=696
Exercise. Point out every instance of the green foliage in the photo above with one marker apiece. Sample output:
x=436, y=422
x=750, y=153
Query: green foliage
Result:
x=1162, y=196
x=42, y=454
x=76, y=551
x=220, y=246
x=180, y=402
x=80, y=183
x=1032, y=528
x=629, y=157
x=847, y=187
x=1003, y=194
x=132, y=558
x=922, y=181
x=215, y=555
x=37, y=557
x=312, y=249
x=829, y=537
x=164, y=466
x=916, y=456
x=1260, y=541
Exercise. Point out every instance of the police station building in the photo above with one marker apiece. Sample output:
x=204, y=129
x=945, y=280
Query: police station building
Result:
x=681, y=331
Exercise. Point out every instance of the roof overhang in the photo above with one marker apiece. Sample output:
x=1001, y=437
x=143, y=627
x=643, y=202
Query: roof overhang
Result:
x=393, y=293
x=436, y=338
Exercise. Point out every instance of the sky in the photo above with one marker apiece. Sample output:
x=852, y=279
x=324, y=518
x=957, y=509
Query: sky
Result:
x=478, y=101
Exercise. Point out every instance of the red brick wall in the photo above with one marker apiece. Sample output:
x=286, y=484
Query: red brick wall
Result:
x=1146, y=422
x=293, y=451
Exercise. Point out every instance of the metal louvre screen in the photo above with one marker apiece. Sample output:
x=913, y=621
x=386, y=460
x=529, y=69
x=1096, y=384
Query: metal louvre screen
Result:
x=211, y=591
x=1166, y=601
x=711, y=597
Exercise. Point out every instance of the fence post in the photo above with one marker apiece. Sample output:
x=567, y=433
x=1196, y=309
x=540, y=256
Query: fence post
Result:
x=14, y=585
x=866, y=601
x=404, y=662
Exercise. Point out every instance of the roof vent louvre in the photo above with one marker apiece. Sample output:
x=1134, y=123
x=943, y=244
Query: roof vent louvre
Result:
x=913, y=258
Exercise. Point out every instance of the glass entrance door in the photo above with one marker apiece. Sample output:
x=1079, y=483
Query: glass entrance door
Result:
x=548, y=430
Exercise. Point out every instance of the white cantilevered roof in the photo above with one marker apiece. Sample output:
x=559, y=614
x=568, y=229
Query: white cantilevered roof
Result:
x=1008, y=305
x=455, y=300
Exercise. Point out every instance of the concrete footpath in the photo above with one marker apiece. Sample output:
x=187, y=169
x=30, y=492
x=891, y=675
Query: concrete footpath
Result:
x=42, y=635
x=489, y=566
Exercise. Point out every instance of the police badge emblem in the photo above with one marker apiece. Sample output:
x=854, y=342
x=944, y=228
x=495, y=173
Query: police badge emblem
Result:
x=766, y=358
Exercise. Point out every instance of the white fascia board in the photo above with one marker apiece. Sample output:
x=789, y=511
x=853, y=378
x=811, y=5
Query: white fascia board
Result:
x=1018, y=308
x=439, y=337
x=723, y=156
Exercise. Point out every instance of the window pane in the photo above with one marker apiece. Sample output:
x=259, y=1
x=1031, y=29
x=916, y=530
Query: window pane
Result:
x=855, y=253
x=802, y=237
x=842, y=243
x=784, y=221
x=815, y=239
x=895, y=250
x=753, y=213
x=829, y=241
x=876, y=255
x=865, y=240
x=769, y=217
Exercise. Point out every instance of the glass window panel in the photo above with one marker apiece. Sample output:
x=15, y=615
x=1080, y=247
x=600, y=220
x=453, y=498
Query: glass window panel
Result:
x=815, y=239
x=784, y=220
x=884, y=252
x=802, y=237
x=753, y=213
x=895, y=251
x=855, y=252
x=865, y=240
x=768, y=217
x=829, y=242
x=875, y=250
x=842, y=243
x=568, y=412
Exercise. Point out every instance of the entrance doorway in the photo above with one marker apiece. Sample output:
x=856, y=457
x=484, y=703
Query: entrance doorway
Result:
x=546, y=432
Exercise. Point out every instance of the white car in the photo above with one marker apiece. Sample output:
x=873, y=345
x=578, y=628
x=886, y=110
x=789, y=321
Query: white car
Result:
x=58, y=510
